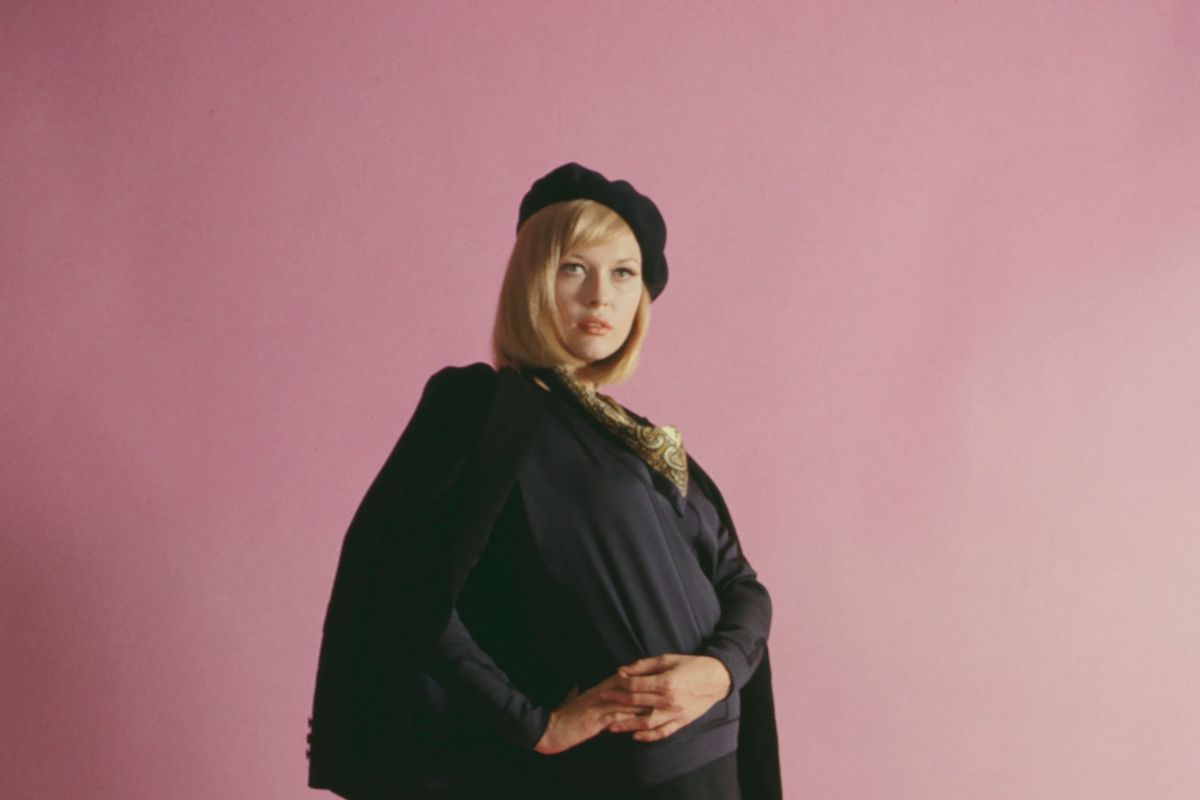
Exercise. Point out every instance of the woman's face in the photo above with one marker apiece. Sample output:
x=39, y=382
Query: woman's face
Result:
x=598, y=289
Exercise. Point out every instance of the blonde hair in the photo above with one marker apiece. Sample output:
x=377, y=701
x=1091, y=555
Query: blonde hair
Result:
x=527, y=329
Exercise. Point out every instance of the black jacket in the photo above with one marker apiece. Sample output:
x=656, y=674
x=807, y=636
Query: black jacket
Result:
x=419, y=530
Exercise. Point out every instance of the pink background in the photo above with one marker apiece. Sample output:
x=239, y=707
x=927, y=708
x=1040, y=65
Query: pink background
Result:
x=933, y=324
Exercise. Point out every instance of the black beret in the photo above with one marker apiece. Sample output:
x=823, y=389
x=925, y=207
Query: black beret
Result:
x=572, y=181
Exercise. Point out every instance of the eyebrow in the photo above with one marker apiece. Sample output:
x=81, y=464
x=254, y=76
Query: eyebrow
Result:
x=619, y=261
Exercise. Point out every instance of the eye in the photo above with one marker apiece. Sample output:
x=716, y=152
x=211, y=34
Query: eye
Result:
x=568, y=266
x=628, y=272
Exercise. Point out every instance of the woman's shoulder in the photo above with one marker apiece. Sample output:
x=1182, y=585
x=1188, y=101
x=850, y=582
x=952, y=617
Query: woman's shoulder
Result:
x=477, y=380
x=456, y=392
x=469, y=388
x=469, y=379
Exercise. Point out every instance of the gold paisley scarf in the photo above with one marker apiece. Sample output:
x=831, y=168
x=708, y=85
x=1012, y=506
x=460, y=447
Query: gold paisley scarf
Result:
x=660, y=446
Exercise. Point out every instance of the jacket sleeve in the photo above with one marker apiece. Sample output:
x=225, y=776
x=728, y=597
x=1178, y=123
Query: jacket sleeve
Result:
x=462, y=666
x=745, y=619
x=384, y=604
x=403, y=575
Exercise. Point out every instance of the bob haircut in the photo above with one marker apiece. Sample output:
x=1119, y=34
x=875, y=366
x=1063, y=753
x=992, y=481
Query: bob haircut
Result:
x=527, y=331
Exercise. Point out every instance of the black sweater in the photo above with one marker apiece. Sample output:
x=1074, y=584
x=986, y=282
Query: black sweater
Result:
x=595, y=561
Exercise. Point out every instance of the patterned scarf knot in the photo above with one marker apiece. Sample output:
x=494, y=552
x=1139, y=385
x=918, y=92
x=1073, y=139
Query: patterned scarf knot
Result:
x=660, y=446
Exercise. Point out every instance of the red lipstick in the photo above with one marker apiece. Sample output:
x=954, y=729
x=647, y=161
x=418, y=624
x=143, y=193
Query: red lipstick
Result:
x=594, y=325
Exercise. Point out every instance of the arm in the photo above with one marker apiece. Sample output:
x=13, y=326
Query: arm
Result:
x=462, y=666
x=745, y=619
x=488, y=601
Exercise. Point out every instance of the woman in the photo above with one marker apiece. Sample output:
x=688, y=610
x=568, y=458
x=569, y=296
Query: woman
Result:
x=542, y=594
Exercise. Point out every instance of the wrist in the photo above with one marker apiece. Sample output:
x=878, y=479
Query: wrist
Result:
x=724, y=677
x=543, y=742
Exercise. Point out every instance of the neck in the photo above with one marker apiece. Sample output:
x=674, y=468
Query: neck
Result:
x=574, y=373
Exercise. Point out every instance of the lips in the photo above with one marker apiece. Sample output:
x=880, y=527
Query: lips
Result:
x=594, y=325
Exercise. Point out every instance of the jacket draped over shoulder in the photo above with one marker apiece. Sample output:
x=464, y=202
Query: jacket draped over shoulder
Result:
x=420, y=528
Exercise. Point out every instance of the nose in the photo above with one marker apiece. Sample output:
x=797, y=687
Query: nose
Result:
x=595, y=291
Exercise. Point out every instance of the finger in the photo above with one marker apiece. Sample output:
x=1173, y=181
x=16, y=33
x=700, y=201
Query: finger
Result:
x=661, y=732
x=624, y=722
x=608, y=712
x=625, y=707
x=628, y=723
x=638, y=698
x=647, y=665
x=640, y=722
x=659, y=682
x=613, y=717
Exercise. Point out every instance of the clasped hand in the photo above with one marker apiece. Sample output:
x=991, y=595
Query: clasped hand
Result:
x=652, y=698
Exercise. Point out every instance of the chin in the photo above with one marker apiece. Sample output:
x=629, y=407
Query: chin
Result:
x=593, y=354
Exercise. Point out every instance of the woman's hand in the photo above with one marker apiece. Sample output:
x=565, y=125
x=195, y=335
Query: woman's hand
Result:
x=581, y=716
x=678, y=688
